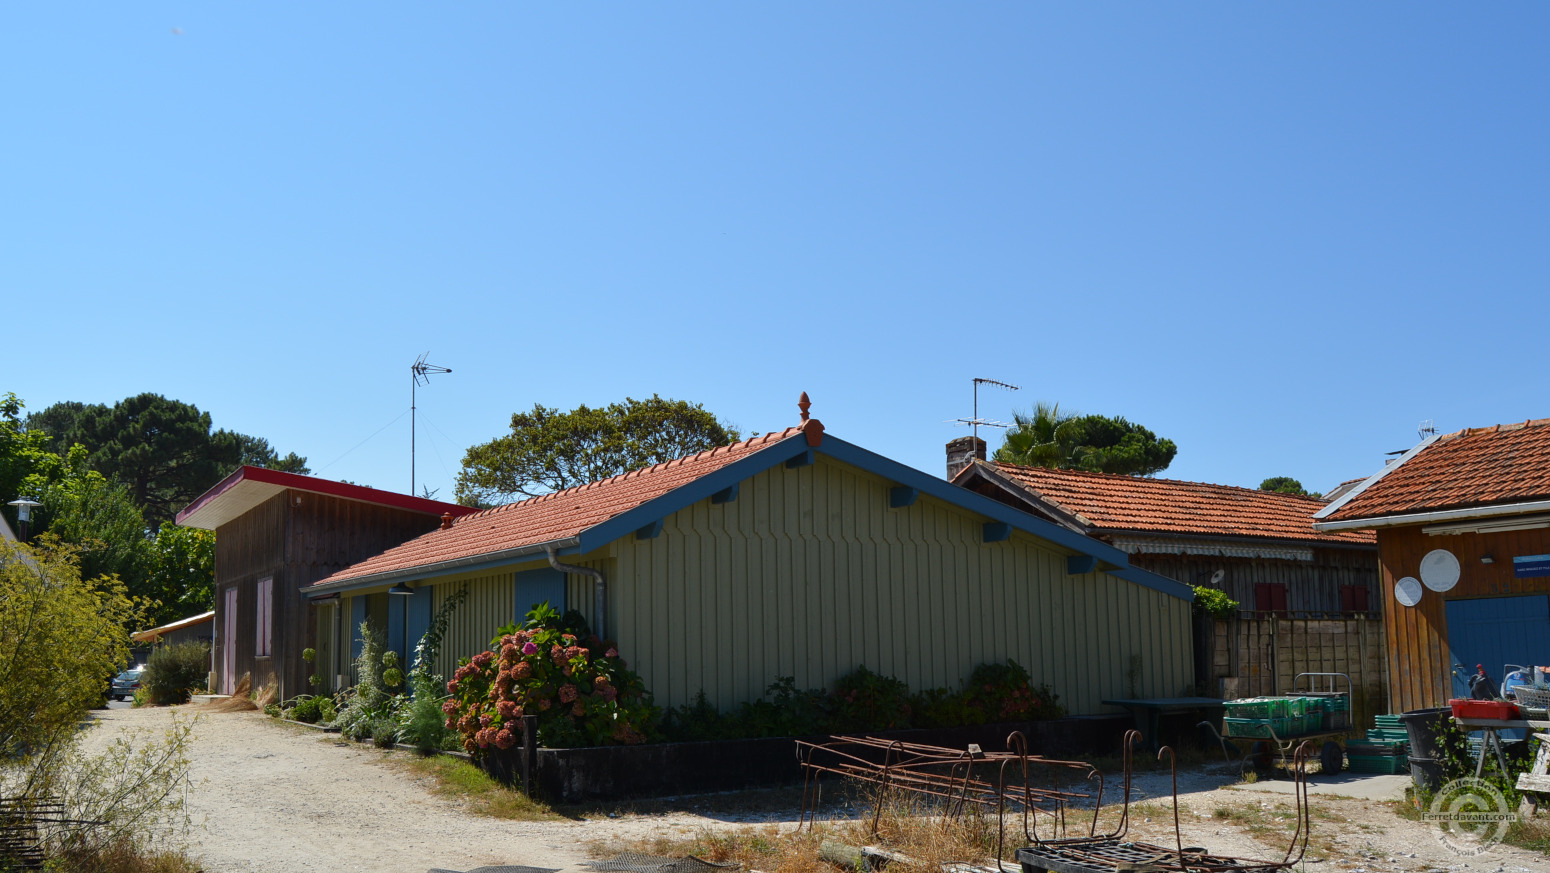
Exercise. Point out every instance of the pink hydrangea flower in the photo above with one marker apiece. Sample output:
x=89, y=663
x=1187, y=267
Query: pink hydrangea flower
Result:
x=529, y=649
x=611, y=653
x=449, y=706
x=568, y=693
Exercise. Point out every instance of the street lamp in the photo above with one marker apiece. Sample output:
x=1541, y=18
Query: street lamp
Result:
x=24, y=508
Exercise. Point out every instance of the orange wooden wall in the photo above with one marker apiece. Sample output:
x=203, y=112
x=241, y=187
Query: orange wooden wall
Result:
x=1417, y=635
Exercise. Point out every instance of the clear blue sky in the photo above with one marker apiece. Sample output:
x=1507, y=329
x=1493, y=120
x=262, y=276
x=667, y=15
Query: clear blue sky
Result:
x=1280, y=234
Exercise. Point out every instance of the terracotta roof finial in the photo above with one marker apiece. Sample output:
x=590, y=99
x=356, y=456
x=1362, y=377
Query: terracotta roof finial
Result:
x=446, y=521
x=803, y=404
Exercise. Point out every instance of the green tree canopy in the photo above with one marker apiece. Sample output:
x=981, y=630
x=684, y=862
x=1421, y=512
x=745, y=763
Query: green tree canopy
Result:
x=162, y=450
x=256, y=452
x=548, y=450
x=1287, y=485
x=1047, y=437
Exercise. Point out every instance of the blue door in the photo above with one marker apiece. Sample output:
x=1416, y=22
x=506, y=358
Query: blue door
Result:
x=1494, y=631
x=539, y=586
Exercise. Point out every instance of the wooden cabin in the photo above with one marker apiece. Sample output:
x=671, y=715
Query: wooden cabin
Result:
x=1259, y=547
x=796, y=554
x=1463, y=532
x=274, y=533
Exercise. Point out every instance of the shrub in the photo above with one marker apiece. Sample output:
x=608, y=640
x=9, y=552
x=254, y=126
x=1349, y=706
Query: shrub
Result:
x=864, y=701
x=1214, y=603
x=310, y=709
x=358, y=707
x=1001, y=692
x=582, y=694
x=174, y=671
x=420, y=718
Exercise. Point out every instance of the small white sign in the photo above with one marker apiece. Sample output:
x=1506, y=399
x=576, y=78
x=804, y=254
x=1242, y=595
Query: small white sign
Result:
x=1408, y=591
x=1440, y=570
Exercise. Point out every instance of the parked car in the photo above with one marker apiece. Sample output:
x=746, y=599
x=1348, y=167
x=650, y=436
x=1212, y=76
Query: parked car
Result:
x=127, y=683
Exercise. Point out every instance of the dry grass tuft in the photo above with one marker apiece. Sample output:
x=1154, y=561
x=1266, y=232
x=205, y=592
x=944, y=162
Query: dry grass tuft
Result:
x=121, y=857
x=240, y=700
x=462, y=781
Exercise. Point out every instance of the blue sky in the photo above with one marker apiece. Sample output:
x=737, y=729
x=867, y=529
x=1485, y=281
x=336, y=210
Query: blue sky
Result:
x=1278, y=234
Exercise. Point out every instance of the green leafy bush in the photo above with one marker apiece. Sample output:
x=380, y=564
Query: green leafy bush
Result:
x=864, y=701
x=359, y=707
x=574, y=682
x=174, y=671
x=420, y=718
x=310, y=709
x=1003, y=692
x=1214, y=603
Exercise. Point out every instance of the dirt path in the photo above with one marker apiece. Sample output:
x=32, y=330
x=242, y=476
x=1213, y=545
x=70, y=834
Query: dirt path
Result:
x=277, y=799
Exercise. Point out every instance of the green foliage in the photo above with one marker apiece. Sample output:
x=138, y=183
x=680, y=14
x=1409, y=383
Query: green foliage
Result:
x=1214, y=603
x=60, y=637
x=256, y=452
x=309, y=655
x=421, y=722
x=1004, y=692
x=174, y=671
x=180, y=572
x=1287, y=485
x=576, y=685
x=548, y=450
x=863, y=701
x=1050, y=438
x=310, y=708
x=362, y=706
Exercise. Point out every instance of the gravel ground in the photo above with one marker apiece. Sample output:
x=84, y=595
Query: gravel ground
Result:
x=274, y=798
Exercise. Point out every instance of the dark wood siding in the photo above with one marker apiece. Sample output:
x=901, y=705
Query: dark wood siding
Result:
x=1418, y=635
x=297, y=537
x=1313, y=588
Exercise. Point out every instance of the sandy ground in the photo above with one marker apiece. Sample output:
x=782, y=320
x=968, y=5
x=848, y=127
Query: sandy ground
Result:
x=272, y=798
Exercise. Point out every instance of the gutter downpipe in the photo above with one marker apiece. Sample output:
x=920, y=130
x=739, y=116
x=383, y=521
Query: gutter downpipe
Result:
x=599, y=590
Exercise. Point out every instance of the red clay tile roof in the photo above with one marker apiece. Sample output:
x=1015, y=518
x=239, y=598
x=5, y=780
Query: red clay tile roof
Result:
x=1508, y=463
x=555, y=516
x=1110, y=502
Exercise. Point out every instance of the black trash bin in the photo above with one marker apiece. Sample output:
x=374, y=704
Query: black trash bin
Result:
x=1426, y=773
x=1425, y=727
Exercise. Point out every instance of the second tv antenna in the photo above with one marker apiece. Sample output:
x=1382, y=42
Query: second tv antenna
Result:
x=976, y=421
x=418, y=371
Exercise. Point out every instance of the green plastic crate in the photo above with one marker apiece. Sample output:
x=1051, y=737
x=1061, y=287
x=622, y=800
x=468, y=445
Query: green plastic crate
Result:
x=1260, y=727
x=1377, y=763
x=1258, y=707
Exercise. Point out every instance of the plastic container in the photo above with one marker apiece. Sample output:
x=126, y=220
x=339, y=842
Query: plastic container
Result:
x=1500, y=710
x=1257, y=707
x=1426, y=773
x=1259, y=727
x=1376, y=763
x=1422, y=727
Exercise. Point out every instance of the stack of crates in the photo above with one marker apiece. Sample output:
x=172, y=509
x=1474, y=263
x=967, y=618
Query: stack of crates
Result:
x=1257, y=717
x=1385, y=750
x=1328, y=712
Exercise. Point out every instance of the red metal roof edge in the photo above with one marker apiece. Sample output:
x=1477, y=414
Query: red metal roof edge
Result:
x=328, y=487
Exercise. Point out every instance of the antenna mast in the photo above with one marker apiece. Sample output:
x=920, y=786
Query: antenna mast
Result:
x=418, y=371
x=976, y=421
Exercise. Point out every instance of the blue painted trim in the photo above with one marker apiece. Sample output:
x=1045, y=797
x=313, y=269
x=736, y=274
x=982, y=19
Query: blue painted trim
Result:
x=901, y=496
x=650, y=531
x=357, y=615
x=1148, y=579
x=997, y=531
x=727, y=494
x=803, y=460
x=417, y=620
x=690, y=493
x=941, y=489
x=398, y=628
x=1078, y=565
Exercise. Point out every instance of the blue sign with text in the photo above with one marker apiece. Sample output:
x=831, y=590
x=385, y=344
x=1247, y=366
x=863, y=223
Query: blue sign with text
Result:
x=1531, y=566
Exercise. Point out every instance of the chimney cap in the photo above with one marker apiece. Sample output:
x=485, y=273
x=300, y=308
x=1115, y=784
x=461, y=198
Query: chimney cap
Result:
x=446, y=521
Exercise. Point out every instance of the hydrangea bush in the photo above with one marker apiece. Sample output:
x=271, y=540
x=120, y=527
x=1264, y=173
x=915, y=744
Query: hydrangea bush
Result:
x=574, y=682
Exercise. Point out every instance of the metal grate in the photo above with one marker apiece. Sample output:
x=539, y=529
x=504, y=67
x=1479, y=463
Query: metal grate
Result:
x=1106, y=856
x=634, y=862
x=500, y=869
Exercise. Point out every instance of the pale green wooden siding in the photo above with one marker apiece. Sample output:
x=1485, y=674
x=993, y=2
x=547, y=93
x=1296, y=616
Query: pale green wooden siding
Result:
x=809, y=574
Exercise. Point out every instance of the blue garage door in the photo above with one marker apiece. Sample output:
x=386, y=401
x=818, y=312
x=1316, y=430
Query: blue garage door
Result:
x=1495, y=631
x=539, y=586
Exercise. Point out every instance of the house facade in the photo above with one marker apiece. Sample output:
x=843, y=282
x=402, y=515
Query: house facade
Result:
x=1259, y=547
x=275, y=532
x=1463, y=531
x=791, y=554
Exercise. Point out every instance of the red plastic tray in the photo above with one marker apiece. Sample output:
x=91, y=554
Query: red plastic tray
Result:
x=1497, y=709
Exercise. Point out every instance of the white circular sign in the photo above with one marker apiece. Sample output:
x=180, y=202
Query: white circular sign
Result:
x=1440, y=570
x=1408, y=591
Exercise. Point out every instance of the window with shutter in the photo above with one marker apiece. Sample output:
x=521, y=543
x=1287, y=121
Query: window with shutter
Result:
x=264, y=611
x=1270, y=597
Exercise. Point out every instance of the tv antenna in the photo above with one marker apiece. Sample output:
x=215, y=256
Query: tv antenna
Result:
x=418, y=371
x=976, y=421
x=1427, y=428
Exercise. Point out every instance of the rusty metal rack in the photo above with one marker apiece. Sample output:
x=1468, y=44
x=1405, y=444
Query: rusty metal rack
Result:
x=963, y=779
x=21, y=842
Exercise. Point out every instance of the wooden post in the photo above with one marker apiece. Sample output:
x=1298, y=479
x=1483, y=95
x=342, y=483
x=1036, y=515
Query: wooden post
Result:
x=529, y=752
x=1275, y=655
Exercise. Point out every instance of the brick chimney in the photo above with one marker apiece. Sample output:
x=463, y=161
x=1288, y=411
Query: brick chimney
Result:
x=962, y=452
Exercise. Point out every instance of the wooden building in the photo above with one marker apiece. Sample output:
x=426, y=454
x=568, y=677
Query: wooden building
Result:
x=1260, y=547
x=1463, y=531
x=797, y=554
x=274, y=533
